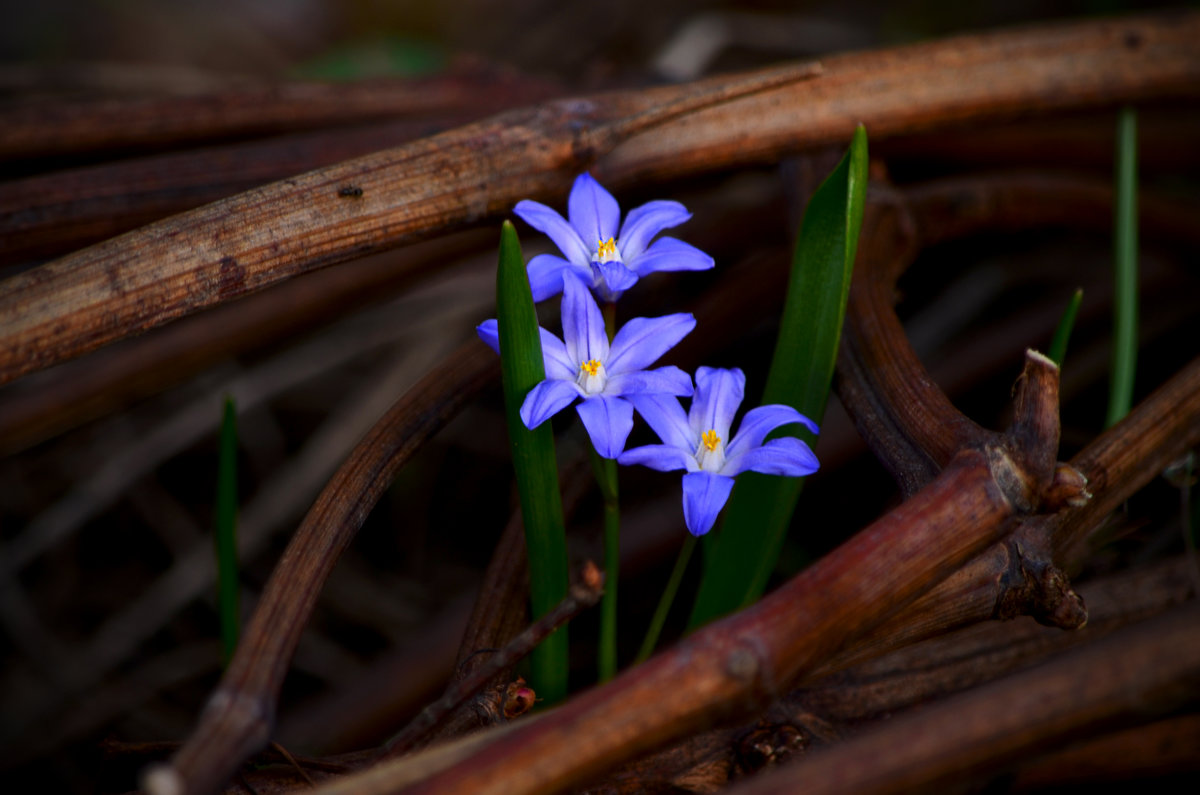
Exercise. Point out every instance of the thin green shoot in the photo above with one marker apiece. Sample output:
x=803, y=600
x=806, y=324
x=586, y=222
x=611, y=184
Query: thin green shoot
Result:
x=1125, y=271
x=666, y=600
x=1062, y=334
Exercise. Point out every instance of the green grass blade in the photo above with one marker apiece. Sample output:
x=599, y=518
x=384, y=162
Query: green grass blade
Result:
x=225, y=535
x=1066, y=323
x=533, y=461
x=739, y=559
x=1125, y=266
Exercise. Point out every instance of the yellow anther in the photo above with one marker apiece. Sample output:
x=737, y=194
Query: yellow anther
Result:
x=591, y=367
x=607, y=248
x=711, y=440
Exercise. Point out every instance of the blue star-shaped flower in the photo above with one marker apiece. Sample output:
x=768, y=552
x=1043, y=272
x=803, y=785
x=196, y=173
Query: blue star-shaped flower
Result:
x=605, y=259
x=700, y=443
x=584, y=365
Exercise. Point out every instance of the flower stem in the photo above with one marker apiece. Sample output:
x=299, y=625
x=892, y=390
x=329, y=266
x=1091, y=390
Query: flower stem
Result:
x=667, y=598
x=606, y=476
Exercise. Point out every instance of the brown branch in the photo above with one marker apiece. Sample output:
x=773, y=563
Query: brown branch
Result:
x=240, y=712
x=244, y=243
x=51, y=402
x=922, y=87
x=1132, y=675
x=1166, y=748
x=906, y=419
x=824, y=712
x=1117, y=464
x=911, y=425
x=636, y=708
x=52, y=214
x=923, y=672
x=127, y=124
x=729, y=668
x=580, y=596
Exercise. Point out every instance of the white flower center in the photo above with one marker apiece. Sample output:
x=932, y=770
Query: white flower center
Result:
x=606, y=251
x=710, y=453
x=592, y=377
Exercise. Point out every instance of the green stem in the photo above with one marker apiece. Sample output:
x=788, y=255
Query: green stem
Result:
x=610, y=318
x=667, y=598
x=606, y=476
x=1125, y=298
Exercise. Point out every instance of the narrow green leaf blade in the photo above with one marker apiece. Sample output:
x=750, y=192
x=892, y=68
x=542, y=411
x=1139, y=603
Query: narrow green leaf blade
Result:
x=740, y=557
x=1125, y=266
x=533, y=461
x=225, y=537
x=1066, y=323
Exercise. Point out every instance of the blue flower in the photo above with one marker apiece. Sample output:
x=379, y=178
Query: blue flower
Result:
x=584, y=365
x=605, y=259
x=700, y=443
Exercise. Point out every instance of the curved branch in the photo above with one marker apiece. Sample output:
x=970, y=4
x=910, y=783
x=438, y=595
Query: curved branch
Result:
x=240, y=713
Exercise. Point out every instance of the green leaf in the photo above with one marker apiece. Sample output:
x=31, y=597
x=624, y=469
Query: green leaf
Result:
x=225, y=536
x=1125, y=271
x=533, y=461
x=1062, y=334
x=741, y=554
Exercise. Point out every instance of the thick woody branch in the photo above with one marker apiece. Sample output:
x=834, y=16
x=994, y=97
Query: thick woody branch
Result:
x=922, y=87
x=1130, y=676
x=1017, y=577
x=241, y=244
x=907, y=420
x=813, y=716
x=732, y=667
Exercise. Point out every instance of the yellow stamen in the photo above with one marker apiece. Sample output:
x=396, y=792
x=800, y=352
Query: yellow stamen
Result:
x=591, y=366
x=607, y=248
x=711, y=440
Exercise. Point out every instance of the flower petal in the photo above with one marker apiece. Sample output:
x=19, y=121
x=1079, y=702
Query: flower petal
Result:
x=608, y=421
x=554, y=357
x=583, y=325
x=759, y=422
x=662, y=381
x=593, y=212
x=704, y=495
x=669, y=254
x=662, y=457
x=719, y=392
x=554, y=226
x=546, y=273
x=554, y=354
x=489, y=332
x=611, y=279
x=665, y=417
x=547, y=399
x=643, y=223
x=787, y=456
x=641, y=341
